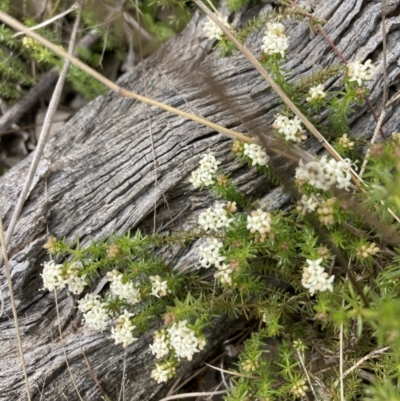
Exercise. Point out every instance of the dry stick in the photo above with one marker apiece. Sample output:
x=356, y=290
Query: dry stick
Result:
x=42, y=141
x=384, y=49
x=341, y=356
x=306, y=372
x=117, y=89
x=233, y=373
x=55, y=99
x=277, y=89
x=94, y=377
x=14, y=309
x=49, y=21
x=373, y=139
x=189, y=395
x=372, y=354
x=149, y=122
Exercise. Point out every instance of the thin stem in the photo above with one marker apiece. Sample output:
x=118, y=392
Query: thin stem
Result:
x=14, y=309
x=116, y=88
x=341, y=360
x=55, y=99
x=276, y=88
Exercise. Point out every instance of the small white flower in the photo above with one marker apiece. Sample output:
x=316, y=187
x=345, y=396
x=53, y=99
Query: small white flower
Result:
x=122, y=332
x=212, y=30
x=162, y=372
x=127, y=291
x=306, y=204
x=209, y=254
x=94, y=312
x=224, y=274
x=290, y=127
x=274, y=40
x=159, y=287
x=160, y=346
x=256, y=153
x=205, y=174
x=183, y=340
x=316, y=92
x=360, y=72
x=215, y=218
x=315, y=279
x=259, y=221
x=345, y=142
x=76, y=282
x=52, y=276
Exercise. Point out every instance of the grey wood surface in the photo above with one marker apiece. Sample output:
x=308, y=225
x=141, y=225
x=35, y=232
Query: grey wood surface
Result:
x=97, y=178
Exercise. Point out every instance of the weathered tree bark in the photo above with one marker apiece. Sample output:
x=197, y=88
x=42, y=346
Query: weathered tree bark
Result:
x=97, y=177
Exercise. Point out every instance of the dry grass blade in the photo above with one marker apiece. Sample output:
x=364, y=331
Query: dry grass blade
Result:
x=55, y=99
x=14, y=309
x=12, y=22
x=191, y=395
x=273, y=84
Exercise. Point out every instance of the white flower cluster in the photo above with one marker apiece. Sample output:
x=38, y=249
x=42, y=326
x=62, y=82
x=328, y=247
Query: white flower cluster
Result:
x=224, y=274
x=316, y=92
x=159, y=288
x=212, y=30
x=256, y=153
x=360, y=72
x=323, y=174
x=160, y=346
x=274, y=40
x=52, y=276
x=209, y=254
x=162, y=372
x=122, y=332
x=184, y=341
x=315, y=278
x=259, y=221
x=346, y=142
x=290, y=127
x=307, y=204
x=215, y=218
x=205, y=174
x=127, y=291
x=94, y=312
x=76, y=282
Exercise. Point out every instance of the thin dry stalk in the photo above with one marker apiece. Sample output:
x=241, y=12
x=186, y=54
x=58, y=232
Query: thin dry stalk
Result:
x=275, y=86
x=190, y=395
x=50, y=20
x=63, y=347
x=384, y=50
x=122, y=391
x=233, y=373
x=149, y=122
x=341, y=357
x=55, y=99
x=12, y=22
x=372, y=354
x=303, y=365
x=373, y=139
x=14, y=309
